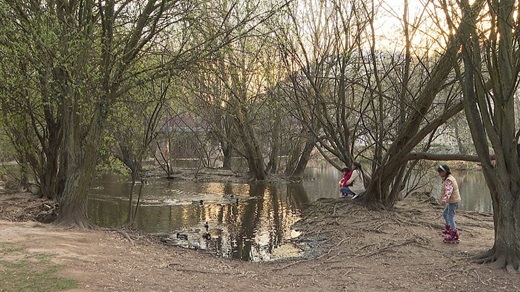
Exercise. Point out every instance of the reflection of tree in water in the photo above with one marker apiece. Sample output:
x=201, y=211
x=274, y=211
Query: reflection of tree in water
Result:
x=283, y=210
x=259, y=225
x=164, y=218
x=249, y=220
x=296, y=196
x=106, y=213
x=227, y=214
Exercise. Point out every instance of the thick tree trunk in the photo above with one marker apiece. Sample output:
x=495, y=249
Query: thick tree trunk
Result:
x=411, y=133
x=305, y=156
x=300, y=155
x=294, y=157
x=491, y=70
x=274, y=160
x=377, y=193
x=256, y=167
x=252, y=151
x=226, y=155
x=49, y=186
x=272, y=165
x=73, y=205
x=506, y=249
x=81, y=154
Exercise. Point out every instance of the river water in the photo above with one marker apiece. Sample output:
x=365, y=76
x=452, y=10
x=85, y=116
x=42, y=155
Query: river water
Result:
x=246, y=221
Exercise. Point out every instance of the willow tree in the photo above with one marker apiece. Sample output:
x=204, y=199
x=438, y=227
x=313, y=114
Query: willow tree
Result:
x=134, y=126
x=362, y=96
x=231, y=92
x=30, y=114
x=82, y=57
x=421, y=108
x=319, y=49
x=489, y=78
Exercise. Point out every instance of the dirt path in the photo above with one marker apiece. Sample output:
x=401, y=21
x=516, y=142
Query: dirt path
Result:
x=351, y=249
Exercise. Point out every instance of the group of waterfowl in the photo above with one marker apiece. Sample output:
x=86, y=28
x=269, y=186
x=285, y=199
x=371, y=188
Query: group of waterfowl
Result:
x=206, y=235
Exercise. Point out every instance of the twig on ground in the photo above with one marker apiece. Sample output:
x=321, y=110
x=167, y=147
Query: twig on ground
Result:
x=388, y=246
x=203, y=272
x=447, y=276
x=478, y=278
x=330, y=250
x=289, y=265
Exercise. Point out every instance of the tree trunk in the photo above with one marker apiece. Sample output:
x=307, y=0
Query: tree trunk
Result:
x=227, y=150
x=506, y=249
x=73, y=205
x=130, y=217
x=81, y=165
x=300, y=155
x=272, y=166
x=294, y=156
x=411, y=133
x=379, y=187
x=252, y=152
x=491, y=72
x=460, y=144
x=49, y=180
x=305, y=156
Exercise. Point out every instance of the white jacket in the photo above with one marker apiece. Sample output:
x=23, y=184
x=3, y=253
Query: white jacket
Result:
x=358, y=184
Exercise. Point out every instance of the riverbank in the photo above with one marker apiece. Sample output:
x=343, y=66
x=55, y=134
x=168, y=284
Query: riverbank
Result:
x=348, y=248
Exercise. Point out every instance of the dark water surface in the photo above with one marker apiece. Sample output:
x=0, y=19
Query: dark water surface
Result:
x=247, y=221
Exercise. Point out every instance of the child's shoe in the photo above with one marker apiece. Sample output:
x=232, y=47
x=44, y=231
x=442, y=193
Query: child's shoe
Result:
x=446, y=230
x=453, y=237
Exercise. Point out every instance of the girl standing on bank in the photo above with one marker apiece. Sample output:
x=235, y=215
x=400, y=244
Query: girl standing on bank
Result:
x=450, y=198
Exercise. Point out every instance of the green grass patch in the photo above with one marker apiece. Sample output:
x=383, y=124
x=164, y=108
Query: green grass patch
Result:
x=10, y=249
x=30, y=272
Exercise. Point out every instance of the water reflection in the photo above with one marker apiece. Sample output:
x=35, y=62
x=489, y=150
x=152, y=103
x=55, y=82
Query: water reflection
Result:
x=251, y=222
x=246, y=221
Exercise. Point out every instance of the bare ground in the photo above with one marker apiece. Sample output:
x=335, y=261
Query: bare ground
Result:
x=348, y=248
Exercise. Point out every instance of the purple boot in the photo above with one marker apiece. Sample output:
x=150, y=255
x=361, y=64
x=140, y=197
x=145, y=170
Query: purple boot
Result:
x=453, y=237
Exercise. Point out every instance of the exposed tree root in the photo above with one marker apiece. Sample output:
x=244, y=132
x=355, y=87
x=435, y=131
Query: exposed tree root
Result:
x=125, y=235
x=374, y=206
x=485, y=257
x=500, y=260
